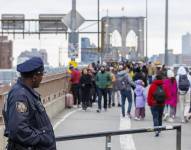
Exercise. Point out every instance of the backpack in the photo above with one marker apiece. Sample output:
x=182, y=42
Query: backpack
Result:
x=184, y=83
x=159, y=95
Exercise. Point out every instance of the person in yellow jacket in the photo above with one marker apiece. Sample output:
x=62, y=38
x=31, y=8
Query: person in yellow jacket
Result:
x=72, y=63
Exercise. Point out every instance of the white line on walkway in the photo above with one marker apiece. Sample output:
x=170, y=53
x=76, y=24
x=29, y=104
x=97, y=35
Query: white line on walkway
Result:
x=64, y=118
x=126, y=141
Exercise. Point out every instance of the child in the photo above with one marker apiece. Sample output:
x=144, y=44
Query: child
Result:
x=140, y=100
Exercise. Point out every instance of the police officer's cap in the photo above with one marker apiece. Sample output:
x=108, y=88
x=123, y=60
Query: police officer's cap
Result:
x=33, y=64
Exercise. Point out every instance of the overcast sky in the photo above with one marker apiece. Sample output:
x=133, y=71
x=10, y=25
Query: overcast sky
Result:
x=179, y=21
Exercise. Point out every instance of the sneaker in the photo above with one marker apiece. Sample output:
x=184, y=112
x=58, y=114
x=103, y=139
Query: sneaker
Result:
x=98, y=111
x=129, y=115
x=186, y=119
x=183, y=121
x=119, y=105
x=157, y=134
x=137, y=119
x=170, y=120
x=165, y=117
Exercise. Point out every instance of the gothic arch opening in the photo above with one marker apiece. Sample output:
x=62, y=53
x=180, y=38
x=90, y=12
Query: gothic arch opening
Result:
x=132, y=44
x=116, y=40
x=131, y=39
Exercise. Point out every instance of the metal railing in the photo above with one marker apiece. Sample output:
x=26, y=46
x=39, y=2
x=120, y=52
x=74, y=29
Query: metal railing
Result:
x=108, y=135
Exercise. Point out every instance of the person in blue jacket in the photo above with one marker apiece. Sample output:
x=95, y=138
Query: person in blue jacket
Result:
x=27, y=125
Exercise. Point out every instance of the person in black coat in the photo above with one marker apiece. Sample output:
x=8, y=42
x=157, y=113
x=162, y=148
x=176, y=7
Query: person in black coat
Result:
x=140, y=75
x=85, y=84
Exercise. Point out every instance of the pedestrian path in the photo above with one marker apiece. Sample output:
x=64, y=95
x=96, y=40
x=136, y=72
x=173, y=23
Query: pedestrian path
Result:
x=81, y=122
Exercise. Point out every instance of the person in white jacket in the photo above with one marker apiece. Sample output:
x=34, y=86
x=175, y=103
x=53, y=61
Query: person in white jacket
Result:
x=183, y=95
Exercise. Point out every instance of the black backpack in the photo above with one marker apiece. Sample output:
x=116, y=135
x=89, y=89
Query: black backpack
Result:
x=159, y=95
x=184, y=83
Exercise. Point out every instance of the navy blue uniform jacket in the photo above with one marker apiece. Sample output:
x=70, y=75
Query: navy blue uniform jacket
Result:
x=26, y=120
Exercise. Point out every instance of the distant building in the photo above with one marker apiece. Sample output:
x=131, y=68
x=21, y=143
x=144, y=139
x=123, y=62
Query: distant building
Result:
x=89, y=52
x=186, y=44
x=89, y=55
x=6, y=53
x=173, y=58
x=33, y=53
x=85, y=43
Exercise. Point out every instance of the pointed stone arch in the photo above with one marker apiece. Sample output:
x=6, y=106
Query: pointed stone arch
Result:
x=131, y=39
x=115, y=38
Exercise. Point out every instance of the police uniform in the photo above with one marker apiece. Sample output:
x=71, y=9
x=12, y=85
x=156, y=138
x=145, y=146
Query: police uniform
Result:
x=27, y=125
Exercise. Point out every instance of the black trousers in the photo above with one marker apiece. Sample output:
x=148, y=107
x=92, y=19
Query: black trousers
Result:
x=102, y=92
x=75, y=88
x=85, y=97
x=157, y=113
x=14, y=146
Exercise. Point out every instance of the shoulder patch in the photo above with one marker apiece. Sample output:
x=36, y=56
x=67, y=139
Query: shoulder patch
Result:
x=21, y=107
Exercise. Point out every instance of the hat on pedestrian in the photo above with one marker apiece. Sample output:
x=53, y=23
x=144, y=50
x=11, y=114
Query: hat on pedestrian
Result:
x=170, y=74
x=34, y=64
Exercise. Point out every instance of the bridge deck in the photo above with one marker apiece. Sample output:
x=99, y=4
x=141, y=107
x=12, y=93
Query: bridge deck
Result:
x=79, y=122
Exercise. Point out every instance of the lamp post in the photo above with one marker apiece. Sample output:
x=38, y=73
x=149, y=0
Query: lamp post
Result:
x=146, y=29
x=166, y=34
x=98, y=36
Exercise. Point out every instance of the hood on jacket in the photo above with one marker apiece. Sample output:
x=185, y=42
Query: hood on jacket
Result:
x=158, y=82
x=181, y=71
x=139, y=82
x=122, y=73
x=170, y=74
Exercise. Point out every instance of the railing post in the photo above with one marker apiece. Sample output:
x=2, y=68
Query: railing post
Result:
x=108, y=143
x=178, y=138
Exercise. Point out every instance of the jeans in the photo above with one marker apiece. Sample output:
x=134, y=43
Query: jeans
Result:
x=109, y=94
x=126, y=94
x=102, y=92
x=157, y=113
x=150, y=79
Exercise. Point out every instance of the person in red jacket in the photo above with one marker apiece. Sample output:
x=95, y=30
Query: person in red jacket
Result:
x=75, y=85
x=156, y=107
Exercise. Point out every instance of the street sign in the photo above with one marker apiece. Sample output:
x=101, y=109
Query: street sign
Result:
x=73, y=20
x=12, y=21
x=51, y=23
x=73, y=45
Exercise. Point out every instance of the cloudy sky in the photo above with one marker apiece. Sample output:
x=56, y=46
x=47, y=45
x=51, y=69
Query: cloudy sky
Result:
x=179, y=21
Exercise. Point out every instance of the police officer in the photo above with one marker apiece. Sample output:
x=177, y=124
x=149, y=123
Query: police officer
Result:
x=27, y=125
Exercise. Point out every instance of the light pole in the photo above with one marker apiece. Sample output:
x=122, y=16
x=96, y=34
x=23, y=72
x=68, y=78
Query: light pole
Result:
x=146, y=30
x=98, y=36
x=166, y=34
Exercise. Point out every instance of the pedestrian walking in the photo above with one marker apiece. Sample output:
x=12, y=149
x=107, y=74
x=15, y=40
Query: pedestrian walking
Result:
x=184, y=81
x=151, y=72
x=103, y=80
x=85, y=85
x=110, y=87
x=157, y=95
x=75, y=85
x=171, y=102
x=125, y=86
x=140, y=100
x=116, y=93
x=27, y=125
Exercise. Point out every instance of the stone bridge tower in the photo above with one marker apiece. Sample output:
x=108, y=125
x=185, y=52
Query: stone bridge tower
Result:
x=123, y=25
